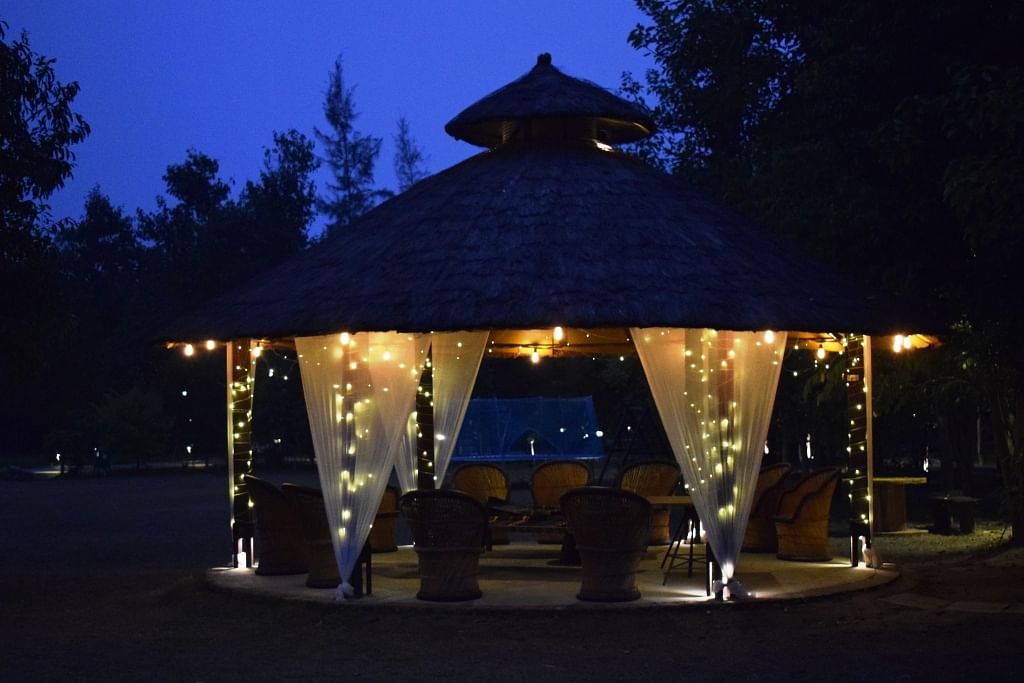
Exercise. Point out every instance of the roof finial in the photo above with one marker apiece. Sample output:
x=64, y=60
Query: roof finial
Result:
x=544, y=58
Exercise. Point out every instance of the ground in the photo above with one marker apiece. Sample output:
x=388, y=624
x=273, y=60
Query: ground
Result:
x=101, y=579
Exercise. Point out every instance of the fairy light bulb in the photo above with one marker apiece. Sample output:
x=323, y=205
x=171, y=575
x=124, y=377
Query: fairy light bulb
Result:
x=257, y=351
x=344, y=338
x=897, y=343
x=769, y=336
x=210, y=345
x=535, y=356
x=821, y=352
x=190, y=350
x=558, y=334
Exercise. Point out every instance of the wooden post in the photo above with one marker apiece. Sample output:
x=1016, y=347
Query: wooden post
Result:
x=858, y=408
x=425, y=427
x=241, y=381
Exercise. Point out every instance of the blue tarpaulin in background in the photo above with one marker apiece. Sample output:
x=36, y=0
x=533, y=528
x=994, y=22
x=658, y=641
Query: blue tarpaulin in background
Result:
x=497, y=429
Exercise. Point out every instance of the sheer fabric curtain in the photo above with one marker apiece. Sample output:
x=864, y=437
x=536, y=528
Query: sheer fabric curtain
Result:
x=456, y=358
x=714, y=391
x=359, y=391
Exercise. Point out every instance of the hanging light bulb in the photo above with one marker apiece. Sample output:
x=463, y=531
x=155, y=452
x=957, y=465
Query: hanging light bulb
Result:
x=189, y=350
x=821, y=351
x=769, y=337
x=558, y=334
x=535, y=356
x=906, y=342
x=897, y=343
x=210, y=345
x=344, y=338
x=257, y=351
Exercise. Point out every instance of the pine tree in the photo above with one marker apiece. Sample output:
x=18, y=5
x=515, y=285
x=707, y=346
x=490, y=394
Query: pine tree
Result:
x=350, y=155
x=409, y=159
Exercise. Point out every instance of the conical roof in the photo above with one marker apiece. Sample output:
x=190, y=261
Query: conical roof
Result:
x=532, y=237
x=542, y=234
x=545, y=95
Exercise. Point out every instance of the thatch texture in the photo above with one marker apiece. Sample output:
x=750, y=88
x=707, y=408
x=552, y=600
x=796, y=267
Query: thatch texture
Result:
x=546, y=229
x=547, y=94
x=533, y=238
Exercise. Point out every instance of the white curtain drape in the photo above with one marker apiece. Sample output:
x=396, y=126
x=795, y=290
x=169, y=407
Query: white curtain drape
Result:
x=455, y=360
x=359, y=391
x=714, y=391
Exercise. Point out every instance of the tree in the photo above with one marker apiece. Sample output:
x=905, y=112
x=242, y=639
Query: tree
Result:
x=409, y=159
x=281, y=206
x=884, y=137
x=350, y=155
x=37, y=129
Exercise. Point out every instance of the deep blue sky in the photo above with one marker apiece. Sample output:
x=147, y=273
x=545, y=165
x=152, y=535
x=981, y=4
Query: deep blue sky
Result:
x=159, y=77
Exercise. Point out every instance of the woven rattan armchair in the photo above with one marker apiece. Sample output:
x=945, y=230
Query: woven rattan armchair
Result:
x=485, y=483
x=610, y=526
x=280, y=546
x=448, y=530
x=760, y=536
x=657, y=478
x=548, y=484
x=382, y=535
x=802, y=519
x=323, y=568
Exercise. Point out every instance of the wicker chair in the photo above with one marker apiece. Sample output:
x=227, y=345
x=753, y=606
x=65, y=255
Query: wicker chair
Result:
x=323, y=568
x=549, y=483
x=382, y=535
x=279, y=540
x=653, y=479
x=610, y=526
x=802, y=519
x=760, y=536
x=448, y=529
x=484, y=483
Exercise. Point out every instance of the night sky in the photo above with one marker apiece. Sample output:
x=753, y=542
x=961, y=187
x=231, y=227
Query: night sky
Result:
x=160, y=77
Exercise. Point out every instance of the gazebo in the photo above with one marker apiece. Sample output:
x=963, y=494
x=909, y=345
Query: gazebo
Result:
x=550, y=242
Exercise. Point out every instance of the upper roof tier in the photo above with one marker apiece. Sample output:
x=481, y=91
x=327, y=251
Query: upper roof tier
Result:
x=546, y=103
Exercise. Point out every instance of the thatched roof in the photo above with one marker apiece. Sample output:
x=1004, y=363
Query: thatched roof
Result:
x=547, y=229
x=535, y=237
x=547, y=95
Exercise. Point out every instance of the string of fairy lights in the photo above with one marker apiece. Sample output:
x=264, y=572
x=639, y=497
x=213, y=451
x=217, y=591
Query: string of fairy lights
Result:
x=852, y=349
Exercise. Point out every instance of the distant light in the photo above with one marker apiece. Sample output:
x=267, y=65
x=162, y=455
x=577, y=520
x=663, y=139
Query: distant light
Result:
x=897, y=343
x=599, y=433
x=344, y=338
x=257, y=351
x=210, y=345
x=535, y=356
x=821, y=351
x=769, y=336
x=558, y=333
x=603, y=146
x=184, y=392
x=190, y=350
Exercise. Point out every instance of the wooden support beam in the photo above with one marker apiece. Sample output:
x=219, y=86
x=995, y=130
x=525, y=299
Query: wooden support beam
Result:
x=241, y=381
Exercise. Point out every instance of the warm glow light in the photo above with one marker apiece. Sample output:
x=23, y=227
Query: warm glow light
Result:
x=558, y=333
x=189, y=350
x=257, y=351
x=210, y=345
x=769, y=336
x=535, y=356
x=344, y=338
x=897, y=343
x=821, y=351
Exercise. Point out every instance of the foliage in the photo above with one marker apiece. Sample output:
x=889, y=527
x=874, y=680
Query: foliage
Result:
x=351, y=156
x=37, y=130
x=409, y=159
x=886, y=138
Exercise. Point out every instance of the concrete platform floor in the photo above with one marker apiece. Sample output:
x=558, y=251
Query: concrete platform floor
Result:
x=528, y=576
